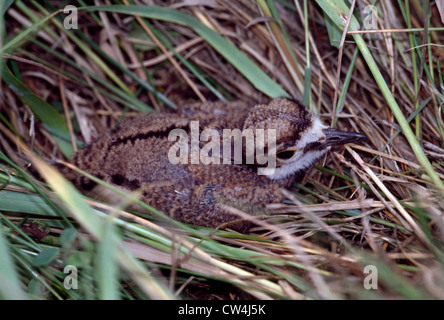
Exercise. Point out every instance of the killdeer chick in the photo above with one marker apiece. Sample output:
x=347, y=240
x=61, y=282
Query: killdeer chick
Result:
x=156, y=154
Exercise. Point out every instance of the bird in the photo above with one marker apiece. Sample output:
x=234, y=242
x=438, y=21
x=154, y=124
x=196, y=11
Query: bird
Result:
x=177, y=162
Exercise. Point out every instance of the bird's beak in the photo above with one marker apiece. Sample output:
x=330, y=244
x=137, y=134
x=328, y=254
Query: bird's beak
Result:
x=336, y=137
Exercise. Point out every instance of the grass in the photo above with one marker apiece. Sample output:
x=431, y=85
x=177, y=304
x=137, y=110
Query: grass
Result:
x=377, y=205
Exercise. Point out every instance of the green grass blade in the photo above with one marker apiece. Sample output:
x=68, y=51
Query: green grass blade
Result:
x=408, y=133
x=93, y=56
x=22, y=36
x=46, y=113
x=393, y=279
x=334, y=34
x=107, y=268
x=186, y=63
x=4, y=6
x=10, y=287
x=345, y=86
x=45, y=257
x=93, y=224
x=113, y=92
x=338, y=12
x=238, y=59
x=24, y=202
x=141, y=106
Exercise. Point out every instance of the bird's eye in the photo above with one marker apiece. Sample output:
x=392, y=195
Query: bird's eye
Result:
x=286, y=154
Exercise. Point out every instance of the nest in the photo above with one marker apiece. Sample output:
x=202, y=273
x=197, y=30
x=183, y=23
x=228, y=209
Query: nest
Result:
x=366, y=216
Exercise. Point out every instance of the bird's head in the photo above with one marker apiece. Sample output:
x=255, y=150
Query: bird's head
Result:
x=300, y=137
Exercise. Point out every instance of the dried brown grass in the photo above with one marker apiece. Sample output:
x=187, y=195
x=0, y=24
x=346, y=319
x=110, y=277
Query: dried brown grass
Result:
x=372, y=205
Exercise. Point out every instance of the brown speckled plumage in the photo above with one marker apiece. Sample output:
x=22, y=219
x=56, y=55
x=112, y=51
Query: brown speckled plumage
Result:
x=134, y=157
